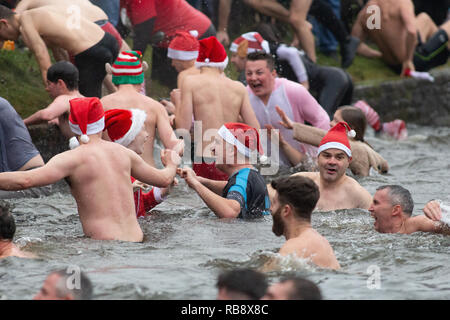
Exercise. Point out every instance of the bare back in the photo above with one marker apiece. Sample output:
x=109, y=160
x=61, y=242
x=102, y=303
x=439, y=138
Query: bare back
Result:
x=215, y=100
x=391, y=37
x=101, y=184
x=311, y=245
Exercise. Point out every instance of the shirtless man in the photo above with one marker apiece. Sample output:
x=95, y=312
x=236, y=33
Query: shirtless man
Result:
x=62, y=86
x=405, y=41
x=392, y=209
x=128, y=97
x=99, y=174
x=7, y=231
x=292, y=200
x=213, y=100
x=41, y=28
x=337, y=190
x=56, y=287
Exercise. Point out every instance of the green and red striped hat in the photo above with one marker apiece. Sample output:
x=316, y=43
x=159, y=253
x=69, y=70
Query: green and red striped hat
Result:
x=127, y=69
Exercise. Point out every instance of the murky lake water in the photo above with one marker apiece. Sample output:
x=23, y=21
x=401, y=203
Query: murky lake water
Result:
x=187, y=246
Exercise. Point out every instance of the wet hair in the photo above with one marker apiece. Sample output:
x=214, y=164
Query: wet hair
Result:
x=261, y=55
x=6, y=13
x=84, y=292
x=244, y=281
x=399, y=196
x=65, y=71
x=299, y=192
x=356, y=119
x=303, y=289
x=7, y=223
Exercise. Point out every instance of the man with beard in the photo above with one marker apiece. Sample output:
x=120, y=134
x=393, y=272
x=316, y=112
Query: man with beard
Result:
x=292, y=201
x=337, y=190
x=392, y=209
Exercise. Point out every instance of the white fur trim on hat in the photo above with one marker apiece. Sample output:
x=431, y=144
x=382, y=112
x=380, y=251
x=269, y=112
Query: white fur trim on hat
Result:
x=226, y=135
x=221, y=65
x=92, y=128
x=73, y=143
x=334, y=145
x=137, y=121
x=182, y=55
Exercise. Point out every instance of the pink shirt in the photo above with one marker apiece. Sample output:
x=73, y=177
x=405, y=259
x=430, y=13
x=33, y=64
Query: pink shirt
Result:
x=298, y=104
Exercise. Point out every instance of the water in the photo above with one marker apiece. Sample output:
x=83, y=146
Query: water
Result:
x=187, y=246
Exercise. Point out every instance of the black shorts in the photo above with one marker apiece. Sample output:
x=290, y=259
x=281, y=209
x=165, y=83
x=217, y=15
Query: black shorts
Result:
x=432, y=53
x=91, y=65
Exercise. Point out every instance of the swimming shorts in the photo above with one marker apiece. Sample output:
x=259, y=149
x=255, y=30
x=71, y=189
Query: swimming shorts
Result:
x=209, y=171
x=91, y=65
x=433, y=53
x=248, y=188
x=109, y=27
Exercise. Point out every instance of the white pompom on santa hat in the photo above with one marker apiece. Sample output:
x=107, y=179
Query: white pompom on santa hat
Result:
x=211, y=54
x=244, y=138
x=336, y=138
x=124, y=125
x=86, y=117
x=184, y=46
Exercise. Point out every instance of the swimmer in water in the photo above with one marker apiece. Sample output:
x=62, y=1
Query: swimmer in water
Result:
x=244, y=195
x=126, y=127
x=292, y=200
x=392, y=209
x=7, y=231
x=363, y=156
x=99, y=172
x=293, y=288
x=337, y=190
x=55, y=287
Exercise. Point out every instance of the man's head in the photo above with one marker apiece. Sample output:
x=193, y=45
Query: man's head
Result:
x=391, y=205
x=7, y=224
x=260, y=73
x=9, y=28
x=211, y=54
x=236, y=143
x=247, y=43
x=62, y=77
x=62, y=285
x=334, y=153
x=241, y=284
x=293, y=288
x=183, y=50
x=127, y=127
x=292, y=198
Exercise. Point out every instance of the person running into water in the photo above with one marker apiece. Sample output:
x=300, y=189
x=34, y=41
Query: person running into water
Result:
x=128, y=75
x=62, y=86
x=212, y=100
x=41, y=29
x=292, y=200
x=126, y=127
x=100, y=168
x=244, y=195
x=337, y=190
x=392, y=208
x=406, y=42
x=363, y=156
x=7, y=231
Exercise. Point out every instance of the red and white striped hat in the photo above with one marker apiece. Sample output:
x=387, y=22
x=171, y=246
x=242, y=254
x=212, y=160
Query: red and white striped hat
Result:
x=336, y=138
x=86, y=117
x=127, y=69
x=254, y=40
x=184, y=46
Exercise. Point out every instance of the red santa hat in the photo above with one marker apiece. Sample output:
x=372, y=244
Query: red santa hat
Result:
x=184, y=46
x=211, y=54
x=86, y=117
x=336, y=138
x=124, y=125
x=243, y=137
x=254, y=41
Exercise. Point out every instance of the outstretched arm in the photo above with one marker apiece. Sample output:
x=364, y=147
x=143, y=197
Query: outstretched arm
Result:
x=53, y=111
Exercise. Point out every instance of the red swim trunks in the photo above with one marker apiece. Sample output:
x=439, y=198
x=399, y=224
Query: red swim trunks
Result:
x=209, y=171
x=108, y=27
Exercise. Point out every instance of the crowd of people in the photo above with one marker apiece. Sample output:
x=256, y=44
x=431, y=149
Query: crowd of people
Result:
x=285, y=110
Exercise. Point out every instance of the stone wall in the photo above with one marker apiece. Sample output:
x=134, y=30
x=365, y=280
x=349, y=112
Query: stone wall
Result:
x=415, y=101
